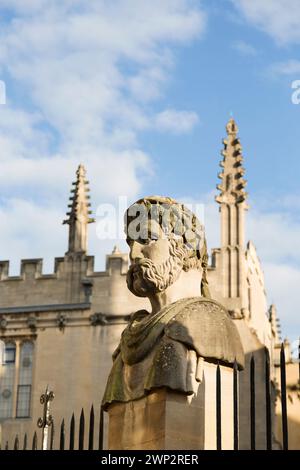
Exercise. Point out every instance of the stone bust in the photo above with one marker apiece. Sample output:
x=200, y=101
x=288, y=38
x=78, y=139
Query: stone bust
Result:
x=166, y=347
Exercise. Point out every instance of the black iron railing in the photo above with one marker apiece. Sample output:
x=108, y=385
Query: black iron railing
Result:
x=77, y=437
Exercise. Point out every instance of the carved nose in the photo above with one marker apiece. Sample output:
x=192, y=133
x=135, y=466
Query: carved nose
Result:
x=136, y=252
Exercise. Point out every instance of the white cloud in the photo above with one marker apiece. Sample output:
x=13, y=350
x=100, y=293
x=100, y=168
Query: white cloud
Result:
x=177, y=122
x=278, y=18
x=282, y=283
x=289, y=67
x=276, y=235
x=148, y=84
x=88, y=69
x=30, y=230
x=81, y=78
x=278, y=227
x=244, y=48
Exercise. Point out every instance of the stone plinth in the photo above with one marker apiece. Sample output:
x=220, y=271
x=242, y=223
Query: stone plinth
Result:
x=166, y=420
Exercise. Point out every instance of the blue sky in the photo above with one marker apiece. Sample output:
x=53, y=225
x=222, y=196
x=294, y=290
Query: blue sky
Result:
x=140, y=92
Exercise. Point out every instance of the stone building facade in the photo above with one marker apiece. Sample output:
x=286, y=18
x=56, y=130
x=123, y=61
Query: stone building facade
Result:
x=61, y=329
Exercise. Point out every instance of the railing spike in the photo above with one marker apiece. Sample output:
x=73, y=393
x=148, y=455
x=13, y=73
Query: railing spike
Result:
x=52, y=436
x=91, y=429
x=268, y=401
x=72, y=432
x=218, y=408
x=235, y=407
x=283, y=399
x=81, y=431
x=62, y=436
x=34, y=442
x=101, y=425
x=252, y=402
x=16, y=444
x=25, y=442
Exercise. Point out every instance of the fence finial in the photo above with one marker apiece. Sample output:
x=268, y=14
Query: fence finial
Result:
x=47, y=419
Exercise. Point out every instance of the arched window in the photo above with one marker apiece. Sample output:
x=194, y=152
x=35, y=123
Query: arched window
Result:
x=7, y=379
x=25, y=380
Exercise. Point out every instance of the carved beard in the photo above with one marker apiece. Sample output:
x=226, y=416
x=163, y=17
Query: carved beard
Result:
x=146, y=277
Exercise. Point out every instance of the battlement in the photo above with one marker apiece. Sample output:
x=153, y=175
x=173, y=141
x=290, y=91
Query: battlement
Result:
x=29, y=269
x=32, y=269
x=116, y=262
x=73, y=280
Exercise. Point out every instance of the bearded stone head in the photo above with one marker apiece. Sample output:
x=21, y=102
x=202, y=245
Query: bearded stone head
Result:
x=165, y=238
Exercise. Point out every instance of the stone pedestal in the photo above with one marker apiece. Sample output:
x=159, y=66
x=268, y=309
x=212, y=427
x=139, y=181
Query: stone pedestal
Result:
x=166, y=420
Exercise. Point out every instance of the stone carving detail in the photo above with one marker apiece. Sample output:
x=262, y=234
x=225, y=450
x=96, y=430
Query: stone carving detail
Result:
x=3, y=323
x=61, y=320
x=32, y=322
x=236, y=314
x=6, y=393
x=245, y=312
x=98, y=319
x=166, y=347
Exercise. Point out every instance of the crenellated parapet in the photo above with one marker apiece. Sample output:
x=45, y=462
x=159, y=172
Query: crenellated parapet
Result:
x=74, y=280
x=4, y=270
x=117, y=262
x=33, y=268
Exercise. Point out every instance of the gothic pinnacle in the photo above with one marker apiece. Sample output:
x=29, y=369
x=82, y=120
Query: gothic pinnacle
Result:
x=79, y=214
x=232, y=182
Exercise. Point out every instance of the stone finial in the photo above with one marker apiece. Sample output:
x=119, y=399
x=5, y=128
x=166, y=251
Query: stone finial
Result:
x=231, y=127
x=79, y=214
x=232, y=175
x=116, y=251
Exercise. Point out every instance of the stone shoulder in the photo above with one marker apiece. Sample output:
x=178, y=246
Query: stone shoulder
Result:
x=205, y=326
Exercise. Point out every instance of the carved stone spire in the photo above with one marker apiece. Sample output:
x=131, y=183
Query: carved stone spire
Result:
x=232, y=200
x=79, y=214
x=232, y=175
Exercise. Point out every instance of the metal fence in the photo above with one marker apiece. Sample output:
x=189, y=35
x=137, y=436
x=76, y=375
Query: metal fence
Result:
x=76, y=440
x=73, y=441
